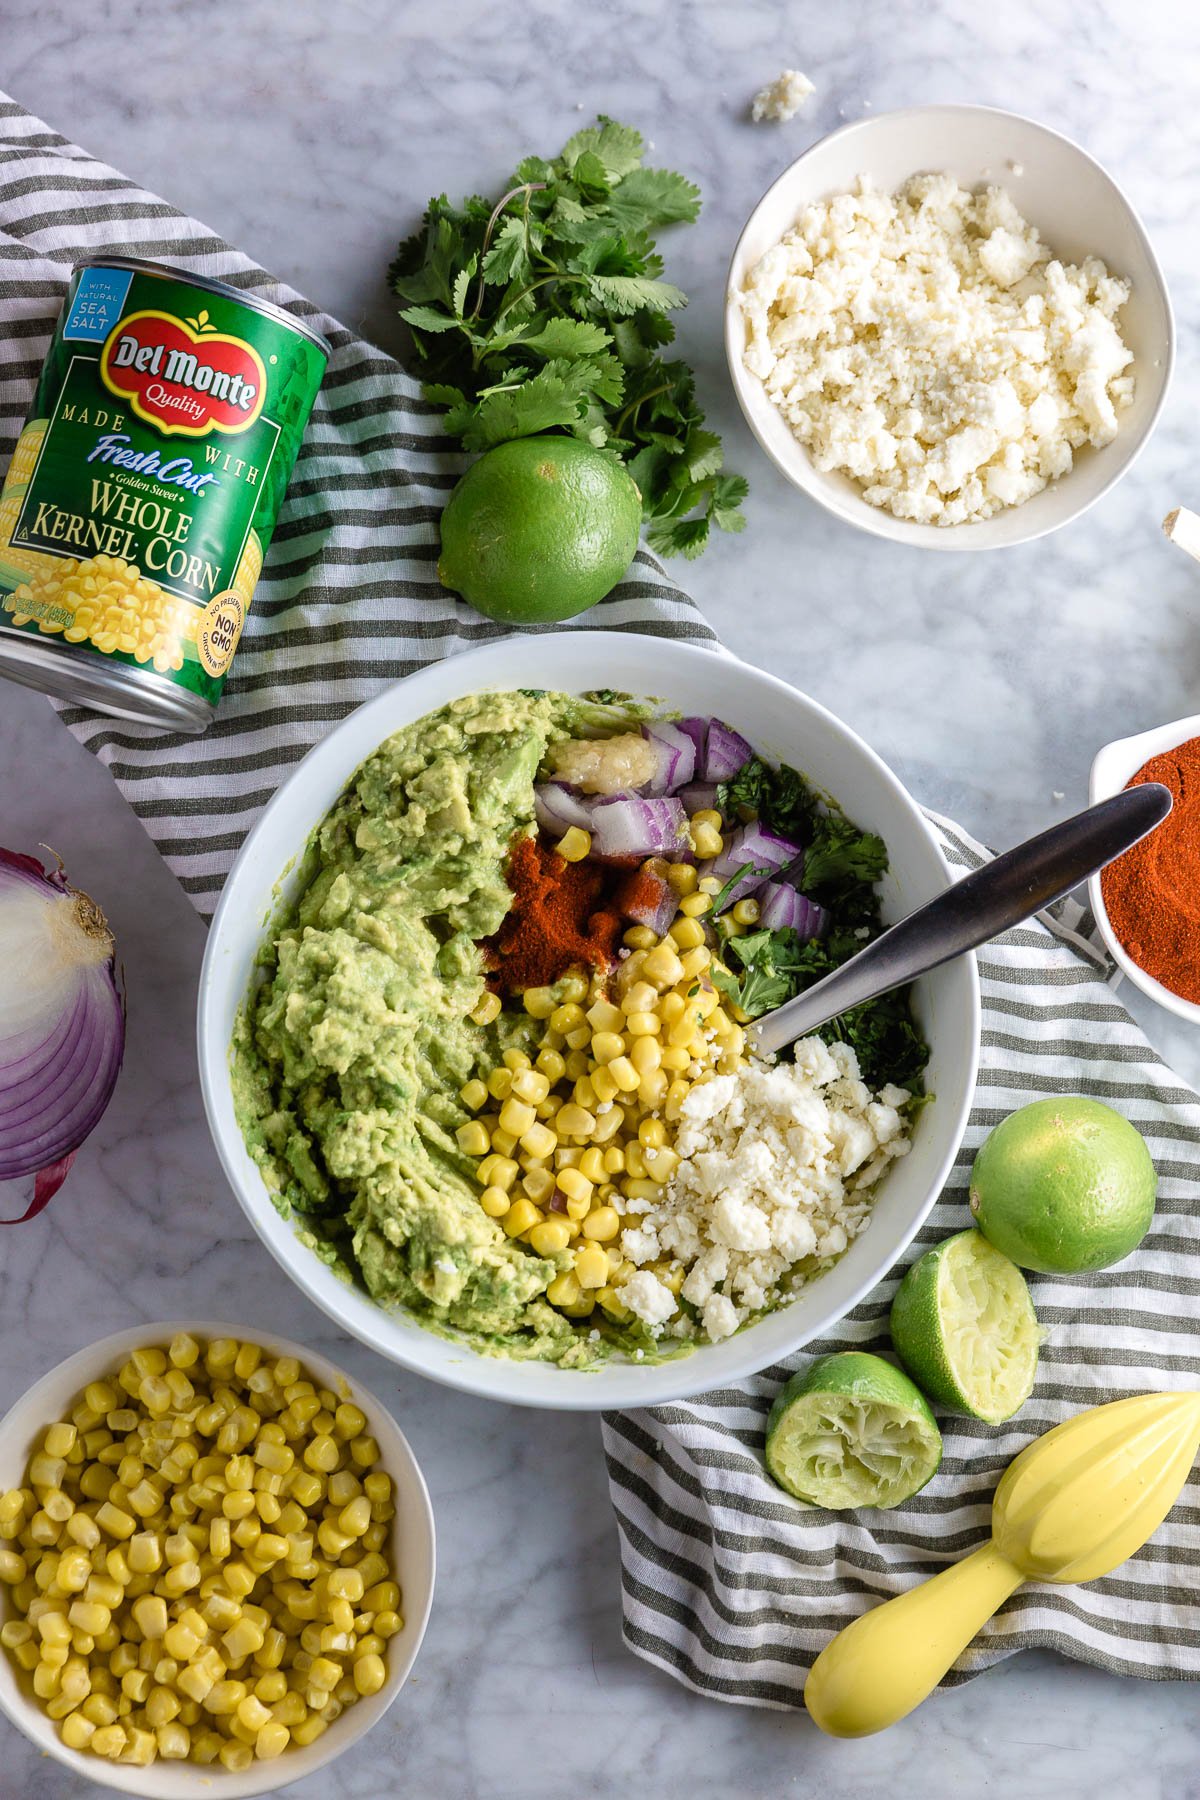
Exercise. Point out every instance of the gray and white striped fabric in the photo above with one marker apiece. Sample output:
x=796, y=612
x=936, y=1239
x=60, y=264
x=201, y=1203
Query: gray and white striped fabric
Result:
x=726, y=1584
x=349, y=599
x=733, y=1588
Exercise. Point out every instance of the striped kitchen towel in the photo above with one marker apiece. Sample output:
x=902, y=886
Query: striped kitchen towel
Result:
x=349, y=599
x=733, y=1587
x=727, y=1583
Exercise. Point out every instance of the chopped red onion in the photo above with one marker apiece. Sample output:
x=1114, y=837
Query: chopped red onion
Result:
x=699, y=796
x=725, y=752
x=781, y=906
x=557, y=809
x=629, y=825
x=753, y=848
x=676, y=753
x=62, y=1023
x=648, y=900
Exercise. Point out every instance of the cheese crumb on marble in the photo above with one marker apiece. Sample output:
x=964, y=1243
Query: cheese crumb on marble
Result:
x=929, y=345
x=782, y=98
x=777, y=1164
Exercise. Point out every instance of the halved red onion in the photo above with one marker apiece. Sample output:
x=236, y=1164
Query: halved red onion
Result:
x=725, y=752
x=698, y=796
x=630, y=825
x=556, y=809
x=753, y=848
x=62, y=1023
x=781, y=906
x=648, y=900
x=676, y=753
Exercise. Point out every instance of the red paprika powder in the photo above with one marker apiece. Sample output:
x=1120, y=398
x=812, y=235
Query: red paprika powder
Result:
x=1152, y=893
x=558, y=920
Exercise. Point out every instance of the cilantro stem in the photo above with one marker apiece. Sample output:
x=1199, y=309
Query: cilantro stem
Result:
x=664, y=387
x=526, y=188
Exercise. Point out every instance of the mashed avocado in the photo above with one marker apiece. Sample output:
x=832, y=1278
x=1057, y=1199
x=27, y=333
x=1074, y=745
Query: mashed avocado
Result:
x=347, y=1060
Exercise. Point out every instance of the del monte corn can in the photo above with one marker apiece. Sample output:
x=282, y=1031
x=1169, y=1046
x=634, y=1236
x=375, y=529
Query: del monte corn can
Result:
x=145, y=486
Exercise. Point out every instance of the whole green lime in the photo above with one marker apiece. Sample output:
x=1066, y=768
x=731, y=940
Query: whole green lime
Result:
x=539, y=529
x=1063, y=1186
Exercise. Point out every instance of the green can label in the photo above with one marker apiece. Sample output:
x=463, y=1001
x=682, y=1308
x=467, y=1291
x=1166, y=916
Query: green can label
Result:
x=145, y=486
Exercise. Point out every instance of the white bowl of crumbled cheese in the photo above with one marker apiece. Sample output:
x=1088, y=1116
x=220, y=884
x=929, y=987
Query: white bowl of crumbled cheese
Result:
x=947, y=325
x=809, y=1148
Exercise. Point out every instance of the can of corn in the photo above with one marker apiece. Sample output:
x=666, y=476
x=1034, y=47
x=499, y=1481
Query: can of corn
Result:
x=145, y=487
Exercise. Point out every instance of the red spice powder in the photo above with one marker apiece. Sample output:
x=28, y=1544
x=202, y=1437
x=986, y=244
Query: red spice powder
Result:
x=1152, y=893
x=558, y=920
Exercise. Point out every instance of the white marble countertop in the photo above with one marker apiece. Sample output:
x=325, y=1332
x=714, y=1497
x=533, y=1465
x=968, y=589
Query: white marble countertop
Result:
x=311, y=135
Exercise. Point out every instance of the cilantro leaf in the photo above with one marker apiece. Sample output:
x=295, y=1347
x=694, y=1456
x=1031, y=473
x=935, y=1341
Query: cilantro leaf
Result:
x=426, y=318
x=654, y=197
x=840, y=857
x=569, y=338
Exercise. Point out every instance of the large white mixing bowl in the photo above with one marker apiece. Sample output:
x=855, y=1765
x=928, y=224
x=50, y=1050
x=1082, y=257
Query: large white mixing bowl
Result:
x=780, y=723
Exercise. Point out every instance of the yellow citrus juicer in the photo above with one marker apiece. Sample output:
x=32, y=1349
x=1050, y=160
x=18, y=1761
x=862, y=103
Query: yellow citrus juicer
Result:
x=1070, y=1507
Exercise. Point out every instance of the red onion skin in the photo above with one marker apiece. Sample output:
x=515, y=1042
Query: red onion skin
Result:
x=36, y=1084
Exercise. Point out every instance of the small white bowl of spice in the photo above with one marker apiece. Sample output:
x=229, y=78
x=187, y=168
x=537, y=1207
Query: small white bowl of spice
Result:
x=216, y=1562
x=948, y=327
x=1147, y=903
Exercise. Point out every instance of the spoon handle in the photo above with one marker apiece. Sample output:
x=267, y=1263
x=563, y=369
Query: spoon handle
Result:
x=985, y=903
x=890, y=1659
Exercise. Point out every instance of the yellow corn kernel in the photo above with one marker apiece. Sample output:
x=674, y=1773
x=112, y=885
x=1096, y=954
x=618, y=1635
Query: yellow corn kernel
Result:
x=515, y=1060
x=487, y=1010
x=681, y=878
x=645, y=1055
x=603, y=1085
x=473, y=1095
x=577, y=1064
x=696, y=905
x=473, y=1139
x=369, y=1674
x=516, y=1117
x=575, y=1185
x=591, y=1266
x=601, y=1224
x=495, y=1202
x=687, y=934
x=531, y=1086
x=538, y=1185
x=663, y=967
x=549, y=1236
x=539, y=1140
x=565, y=1289
x=77, y=1731
x=707, y=841
x=551, y=1065
x=538, y=1002
x=521, y=1215
x=151, y=1615
x=575, y=1121
x=643, y=1025
x=591, y=1164
x=574, y=845
x=498, y=1171
x=608, y=1125
x=624, y=1074
x=568, y=1017
x=604, y=1016
x=639, y=937
x=746, y=912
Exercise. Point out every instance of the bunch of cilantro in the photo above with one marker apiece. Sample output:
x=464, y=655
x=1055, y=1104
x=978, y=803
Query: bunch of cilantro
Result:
x=841, y=867
x=547, y=312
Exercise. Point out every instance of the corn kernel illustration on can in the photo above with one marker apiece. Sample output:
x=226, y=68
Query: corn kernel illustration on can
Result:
x=145, y=486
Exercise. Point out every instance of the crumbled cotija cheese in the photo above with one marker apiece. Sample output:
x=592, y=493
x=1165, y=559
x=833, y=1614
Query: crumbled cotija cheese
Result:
x=777, y=1163
x=782, y=98
x=928, y=345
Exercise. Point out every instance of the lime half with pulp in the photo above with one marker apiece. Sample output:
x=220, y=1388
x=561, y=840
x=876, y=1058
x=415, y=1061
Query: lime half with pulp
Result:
x=963, y=1325
x=852, y=1430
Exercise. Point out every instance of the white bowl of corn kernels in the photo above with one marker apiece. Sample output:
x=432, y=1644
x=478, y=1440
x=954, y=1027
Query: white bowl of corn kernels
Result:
x=113, y=1670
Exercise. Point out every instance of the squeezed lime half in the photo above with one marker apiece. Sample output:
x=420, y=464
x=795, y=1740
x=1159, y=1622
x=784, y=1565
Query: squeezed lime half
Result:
x=963, y=1325
x=852, y=1430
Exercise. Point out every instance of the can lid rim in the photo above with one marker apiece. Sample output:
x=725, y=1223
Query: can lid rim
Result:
x=209, y=284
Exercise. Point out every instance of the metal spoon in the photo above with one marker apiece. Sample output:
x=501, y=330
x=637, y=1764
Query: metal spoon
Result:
x=1005, y=891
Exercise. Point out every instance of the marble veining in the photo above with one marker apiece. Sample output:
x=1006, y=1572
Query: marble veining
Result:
x=311, y=136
